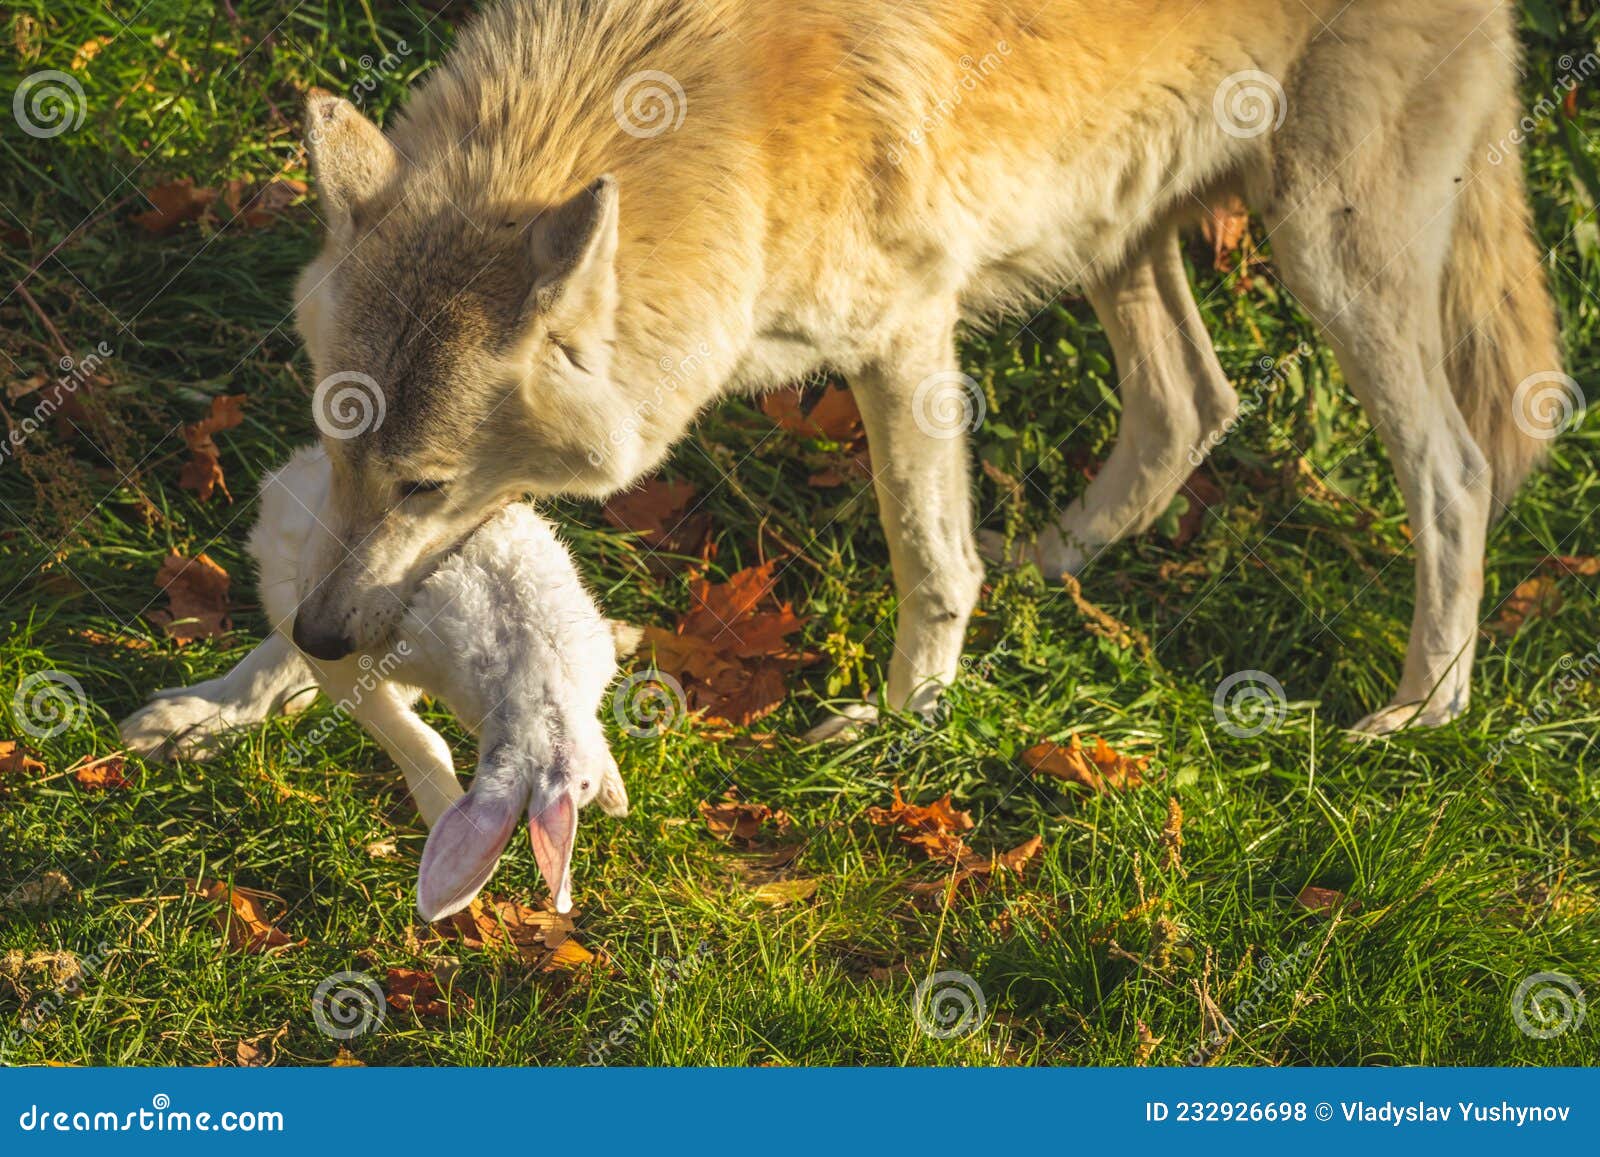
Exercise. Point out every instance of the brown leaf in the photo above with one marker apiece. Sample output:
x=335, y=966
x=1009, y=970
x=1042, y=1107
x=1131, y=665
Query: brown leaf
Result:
x=203, y=471
x=15, y=759
x=1583, y=566
x=50, y=887
x=539, y=937
x=833, y=417
x=1201, y=492
x=254, y=205
x=243, y=922
x=731, y=652
x=1537, y=598
x=1325, y=901
x=1225, y=224
x=345, y=1059
x=1100, y=770
x=935, y=830
x=731, y=819
x=259, y=1051
x=412, y=990
x=659, y=512
x=126, y=641
x=197, y=593
x=173, y=203
x=108, y=773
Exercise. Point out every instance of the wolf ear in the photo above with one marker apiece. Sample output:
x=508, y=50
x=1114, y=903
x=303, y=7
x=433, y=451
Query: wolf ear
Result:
x=574, y=251
x=351, y=159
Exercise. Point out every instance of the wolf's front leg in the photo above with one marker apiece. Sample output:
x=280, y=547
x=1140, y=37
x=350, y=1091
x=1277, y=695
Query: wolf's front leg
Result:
x=918, y=408
x=194, y=722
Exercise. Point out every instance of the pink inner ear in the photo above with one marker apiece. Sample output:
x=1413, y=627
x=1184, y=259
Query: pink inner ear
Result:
x=552, y=832
x=462, y=851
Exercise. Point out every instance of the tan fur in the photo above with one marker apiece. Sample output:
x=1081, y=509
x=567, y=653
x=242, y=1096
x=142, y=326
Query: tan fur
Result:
x=848, y=183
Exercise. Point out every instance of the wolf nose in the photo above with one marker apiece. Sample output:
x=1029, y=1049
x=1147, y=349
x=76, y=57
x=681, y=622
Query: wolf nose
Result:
x=324, y=645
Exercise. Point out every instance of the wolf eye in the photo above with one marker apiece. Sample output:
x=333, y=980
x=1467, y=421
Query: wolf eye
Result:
x=420, y=486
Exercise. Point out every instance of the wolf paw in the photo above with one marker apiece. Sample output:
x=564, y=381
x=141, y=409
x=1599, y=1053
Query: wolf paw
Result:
x=1050, y=552
x=1400, y=715
x=846, y=726
x=176, y=724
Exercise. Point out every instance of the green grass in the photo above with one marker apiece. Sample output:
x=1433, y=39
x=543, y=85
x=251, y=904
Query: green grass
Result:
x=1470, y=875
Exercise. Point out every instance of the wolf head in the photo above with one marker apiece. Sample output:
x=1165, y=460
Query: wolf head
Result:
x=460, y=347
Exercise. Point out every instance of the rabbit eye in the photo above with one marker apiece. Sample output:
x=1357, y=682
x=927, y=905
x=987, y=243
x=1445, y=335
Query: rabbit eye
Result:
x=584, y=786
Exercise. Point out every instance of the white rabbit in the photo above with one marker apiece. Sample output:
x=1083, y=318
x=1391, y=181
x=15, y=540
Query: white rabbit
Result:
x=503, y=632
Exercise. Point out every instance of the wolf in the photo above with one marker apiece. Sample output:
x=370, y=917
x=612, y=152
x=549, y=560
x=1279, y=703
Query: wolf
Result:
x=596, y=218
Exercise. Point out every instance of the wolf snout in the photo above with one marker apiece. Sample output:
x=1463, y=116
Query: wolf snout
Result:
x=320, y=643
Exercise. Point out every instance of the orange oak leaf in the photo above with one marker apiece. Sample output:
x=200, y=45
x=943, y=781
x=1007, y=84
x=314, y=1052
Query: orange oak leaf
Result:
x=414, y=990
x=1099, y=770
x=172, y=204
x=243, y=921
x=203, y=471
x=197, y=599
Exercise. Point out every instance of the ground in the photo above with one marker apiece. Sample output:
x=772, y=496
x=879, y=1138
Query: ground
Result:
x=1462, y=861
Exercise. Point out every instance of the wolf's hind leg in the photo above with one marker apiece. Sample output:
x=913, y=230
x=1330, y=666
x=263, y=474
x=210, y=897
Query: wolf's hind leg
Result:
x=195, y=722
x=1175, y=401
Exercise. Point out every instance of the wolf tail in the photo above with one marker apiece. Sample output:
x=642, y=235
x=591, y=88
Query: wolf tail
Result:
x=1503, y=354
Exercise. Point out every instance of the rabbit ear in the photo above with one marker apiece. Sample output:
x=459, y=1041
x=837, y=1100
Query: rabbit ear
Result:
x=553, y=829
x=462, y=851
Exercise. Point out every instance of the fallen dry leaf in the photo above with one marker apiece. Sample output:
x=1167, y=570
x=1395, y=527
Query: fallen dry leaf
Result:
x=203, y=471
x=87, y=51
x=658, y=511
x=540, y=937
x=1100, y=770
x=345, y=1059
x=108, y=773
x=15, y=759
x=261, y=1050
x=255, y=205
x=412, y=990
x=383, y=849
x=935, y=830
x=51, y=887
x=173, y=203
x=1583, y=566
x=197, y=594
x=1537, y=598
x=735, y=820
x=1226, y=225
x=1325, y=901
x=834, y=417
x=730, y=652
x=1201, y=492
x=243, y=922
